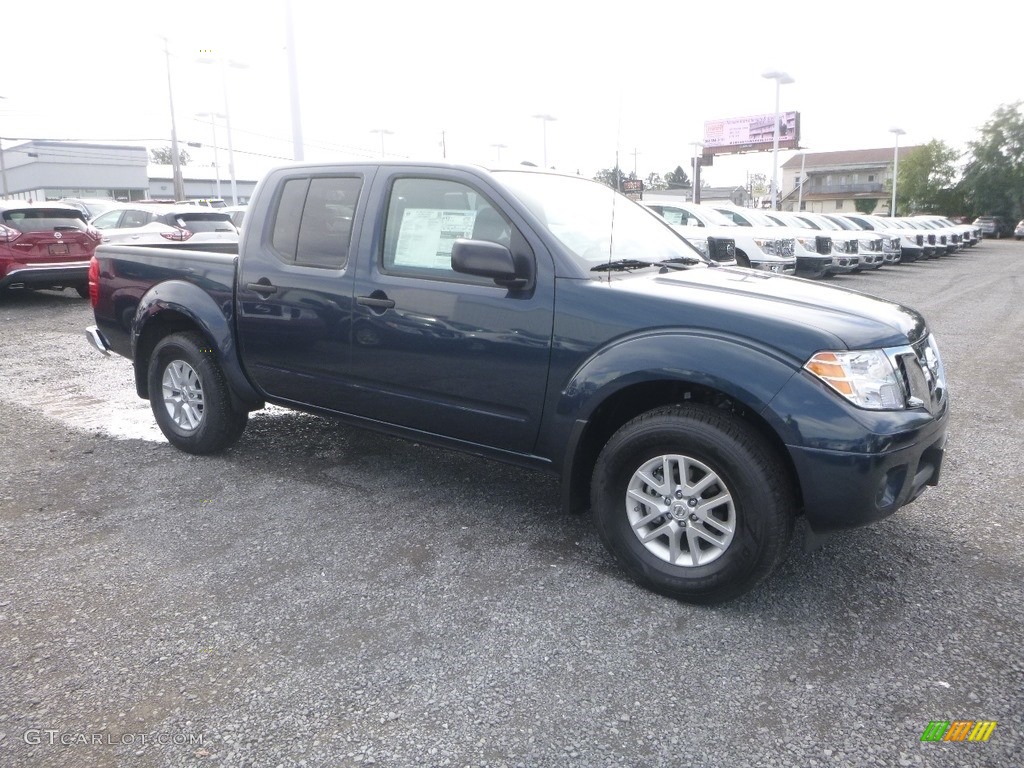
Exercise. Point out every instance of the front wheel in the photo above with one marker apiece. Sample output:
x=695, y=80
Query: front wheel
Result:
x=189, y=396
x=693, y=503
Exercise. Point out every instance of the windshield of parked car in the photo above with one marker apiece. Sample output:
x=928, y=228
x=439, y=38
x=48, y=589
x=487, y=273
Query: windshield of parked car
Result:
x=594, y=222
x=204, y=222
x=43, y=219
x=756, y=218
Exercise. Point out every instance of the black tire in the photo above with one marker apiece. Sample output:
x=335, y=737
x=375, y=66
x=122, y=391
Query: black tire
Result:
x=214, y=424
x=83, y=290
x=740, y=465
x=742, y=260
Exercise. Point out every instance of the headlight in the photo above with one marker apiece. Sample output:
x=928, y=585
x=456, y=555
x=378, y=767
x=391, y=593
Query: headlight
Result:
x=701, y=244
x=765, y=244
x=865, y=377
x=808, y=244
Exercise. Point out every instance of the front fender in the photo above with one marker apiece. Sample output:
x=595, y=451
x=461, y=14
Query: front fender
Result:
x=176, y=304
x=743, y=369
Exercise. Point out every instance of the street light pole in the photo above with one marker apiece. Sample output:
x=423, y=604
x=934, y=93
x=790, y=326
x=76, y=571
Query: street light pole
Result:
x=895, y=166
x=499, y=147
x=179, y=184
x=545, y=119
x=224, y=64
x=800, y=189
x=383, y=132
x=213, y=126
x=780, y=78
x=697, y=147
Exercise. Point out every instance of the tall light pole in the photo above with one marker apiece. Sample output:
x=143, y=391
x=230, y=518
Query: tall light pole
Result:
x=780, y=78
x=213, y=125
x=697, y=147
x=545, y=119
x=499, y=147
x=895, y=166
x=383, y=132
x=298, y=150
x=179, y=183
x=800, y=188
x=224, y=64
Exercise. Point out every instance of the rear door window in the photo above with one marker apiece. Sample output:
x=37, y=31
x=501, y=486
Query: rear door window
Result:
x=313, y=223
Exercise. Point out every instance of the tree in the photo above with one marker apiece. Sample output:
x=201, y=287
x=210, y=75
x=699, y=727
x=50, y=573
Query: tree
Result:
x=993, y=180
x=758, y=185
x=926, y=176
x=162, y=156
x=613, y=177
x=677, y=179
x=654, y=181
x=865, y=204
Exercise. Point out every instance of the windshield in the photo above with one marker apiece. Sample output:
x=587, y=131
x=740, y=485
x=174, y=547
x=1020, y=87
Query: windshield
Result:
x=580, y=214
x=754, y=217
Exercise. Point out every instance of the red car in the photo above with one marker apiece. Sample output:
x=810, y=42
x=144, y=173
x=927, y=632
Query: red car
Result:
x=45, y=246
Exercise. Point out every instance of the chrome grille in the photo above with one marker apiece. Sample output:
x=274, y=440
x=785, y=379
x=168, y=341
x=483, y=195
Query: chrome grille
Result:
x=924, y=377
x=823, y=244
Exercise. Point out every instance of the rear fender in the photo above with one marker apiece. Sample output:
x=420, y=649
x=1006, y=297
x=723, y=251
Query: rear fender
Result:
x=178, y=305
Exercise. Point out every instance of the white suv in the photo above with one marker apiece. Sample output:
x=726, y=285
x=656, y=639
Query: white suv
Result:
x=813, y=248
x=756, y=247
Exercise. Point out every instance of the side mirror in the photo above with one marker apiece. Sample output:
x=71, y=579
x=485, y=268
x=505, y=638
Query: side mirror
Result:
x=486, y=259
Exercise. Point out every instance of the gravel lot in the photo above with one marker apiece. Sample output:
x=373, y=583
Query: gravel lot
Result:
x=322, y=596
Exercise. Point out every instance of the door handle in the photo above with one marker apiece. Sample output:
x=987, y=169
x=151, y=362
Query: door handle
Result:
x=262, y=288
x=375, y=301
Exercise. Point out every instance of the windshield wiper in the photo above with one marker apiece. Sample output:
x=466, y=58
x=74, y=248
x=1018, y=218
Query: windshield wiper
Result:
x=681, y=260
x=622, y=264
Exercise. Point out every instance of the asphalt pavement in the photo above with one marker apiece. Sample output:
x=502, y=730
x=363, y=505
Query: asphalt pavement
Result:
x=324, y=596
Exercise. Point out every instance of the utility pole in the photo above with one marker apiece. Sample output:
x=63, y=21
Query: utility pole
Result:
x=179, y=184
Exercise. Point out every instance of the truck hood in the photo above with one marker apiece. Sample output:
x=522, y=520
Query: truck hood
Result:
x=788, y=313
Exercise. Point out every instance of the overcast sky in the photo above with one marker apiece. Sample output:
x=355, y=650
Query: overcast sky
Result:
x=623, y=76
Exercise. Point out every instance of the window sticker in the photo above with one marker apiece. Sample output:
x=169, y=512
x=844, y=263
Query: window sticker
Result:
x=427, y=236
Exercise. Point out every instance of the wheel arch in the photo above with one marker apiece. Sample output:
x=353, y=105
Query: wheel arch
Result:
x=177, y=306
x=719, y=373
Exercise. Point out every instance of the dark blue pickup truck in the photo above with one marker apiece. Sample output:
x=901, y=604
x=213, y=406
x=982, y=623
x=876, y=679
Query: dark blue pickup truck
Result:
x=548, y=321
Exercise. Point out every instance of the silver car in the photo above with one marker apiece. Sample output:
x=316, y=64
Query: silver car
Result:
x=187, y=226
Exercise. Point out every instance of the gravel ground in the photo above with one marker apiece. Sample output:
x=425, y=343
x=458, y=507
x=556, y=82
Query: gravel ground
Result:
x=322, y=596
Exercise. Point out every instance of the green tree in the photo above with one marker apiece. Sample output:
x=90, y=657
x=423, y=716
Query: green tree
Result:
x=613, y=177
x=654, y=181
x=993, y=180
x=677, y=179
x=758, y=183
x=865, y=204
x=162, y=156
x=926, y=177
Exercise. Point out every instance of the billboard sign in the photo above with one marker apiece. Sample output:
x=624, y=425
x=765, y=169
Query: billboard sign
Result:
x=754, y=133
x=633, y=188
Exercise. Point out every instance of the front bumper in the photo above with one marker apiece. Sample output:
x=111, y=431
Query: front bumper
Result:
x=855, y=466
x=813, y=265
x=36, y=276
x=776, y=266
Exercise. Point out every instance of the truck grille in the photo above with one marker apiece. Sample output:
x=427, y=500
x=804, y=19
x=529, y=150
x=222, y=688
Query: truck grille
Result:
x=823, y=244
x=924, y=377
x=785, y=248
x=721, y=249
x=920, y=239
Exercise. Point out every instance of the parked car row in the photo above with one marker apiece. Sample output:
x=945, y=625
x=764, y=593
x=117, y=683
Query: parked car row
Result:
x=812, y=245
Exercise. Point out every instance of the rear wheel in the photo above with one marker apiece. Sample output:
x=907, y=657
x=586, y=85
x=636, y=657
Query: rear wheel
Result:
x=82, y=290
x=189, y=396
x=693, y=503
